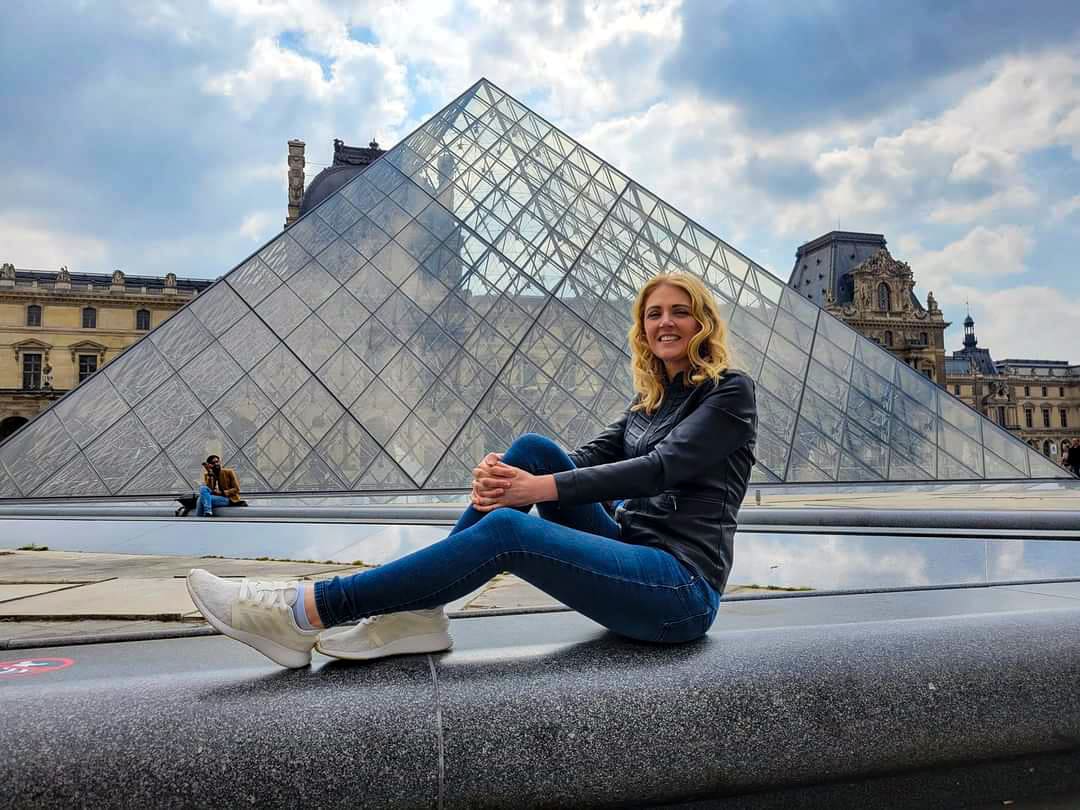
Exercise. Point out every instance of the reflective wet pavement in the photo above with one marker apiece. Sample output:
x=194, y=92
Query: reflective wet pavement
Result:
x=818, y=561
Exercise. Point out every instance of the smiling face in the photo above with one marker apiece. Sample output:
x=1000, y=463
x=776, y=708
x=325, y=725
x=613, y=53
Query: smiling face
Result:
x=669, y=323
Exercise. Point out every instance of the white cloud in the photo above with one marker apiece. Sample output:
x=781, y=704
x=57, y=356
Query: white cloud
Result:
x=268, y=65
x=1032, y=321
x=1028, y=319
x=964, y=213
x=1064, y=208
x=982, y=252
x=32, y=245
x=584, y=67
x=982, y=163
x=360, y=74
x=259, y=225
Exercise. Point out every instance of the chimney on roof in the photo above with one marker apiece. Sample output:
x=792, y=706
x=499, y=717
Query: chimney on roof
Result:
x=296, y=180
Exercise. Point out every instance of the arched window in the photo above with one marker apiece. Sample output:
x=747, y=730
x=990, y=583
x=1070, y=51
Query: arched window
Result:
x=142, y=320
x=888, y=338
x=89, y=318
x=1046, y=447
x=33, y=315
x=883, y=302
x=10, y=425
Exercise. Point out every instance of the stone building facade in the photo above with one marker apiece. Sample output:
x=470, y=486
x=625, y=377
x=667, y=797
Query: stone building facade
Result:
x=853, y=276
x=58, y=328
x=1038, y=400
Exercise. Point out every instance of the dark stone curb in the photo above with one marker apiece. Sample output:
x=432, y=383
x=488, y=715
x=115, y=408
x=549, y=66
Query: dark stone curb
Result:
x=105, y=638
x=590, y=721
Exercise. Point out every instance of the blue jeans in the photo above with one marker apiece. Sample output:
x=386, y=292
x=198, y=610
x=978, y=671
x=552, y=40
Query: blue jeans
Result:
x=572, y=553
x=207, y=501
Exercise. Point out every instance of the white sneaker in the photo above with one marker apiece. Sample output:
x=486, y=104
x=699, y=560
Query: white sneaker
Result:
x=409, y=631
x=256, y=613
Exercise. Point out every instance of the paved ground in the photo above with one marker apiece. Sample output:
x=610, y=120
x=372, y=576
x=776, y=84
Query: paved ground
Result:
x=52, y=597
x=530, y=635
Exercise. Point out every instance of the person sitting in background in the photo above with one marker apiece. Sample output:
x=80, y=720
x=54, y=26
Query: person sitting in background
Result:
x=220, y=487
x=1072, y=460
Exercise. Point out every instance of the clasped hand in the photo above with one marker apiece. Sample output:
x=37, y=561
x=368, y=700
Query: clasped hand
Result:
x=497, y=484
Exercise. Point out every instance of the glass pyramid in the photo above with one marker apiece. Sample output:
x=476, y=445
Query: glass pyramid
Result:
x=472, y=284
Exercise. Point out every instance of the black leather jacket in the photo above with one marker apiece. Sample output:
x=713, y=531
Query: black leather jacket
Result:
x=683, y=470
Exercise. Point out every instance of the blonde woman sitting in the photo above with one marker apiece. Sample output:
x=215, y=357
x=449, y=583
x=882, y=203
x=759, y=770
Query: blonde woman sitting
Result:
x=678, y=461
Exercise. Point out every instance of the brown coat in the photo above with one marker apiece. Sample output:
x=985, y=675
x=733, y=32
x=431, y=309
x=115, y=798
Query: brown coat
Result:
x=230, y=484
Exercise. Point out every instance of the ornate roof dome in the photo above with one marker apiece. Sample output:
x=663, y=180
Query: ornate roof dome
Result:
x=349, y=161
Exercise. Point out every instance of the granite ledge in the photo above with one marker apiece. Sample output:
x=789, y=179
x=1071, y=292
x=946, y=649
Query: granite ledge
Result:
x=567, y=715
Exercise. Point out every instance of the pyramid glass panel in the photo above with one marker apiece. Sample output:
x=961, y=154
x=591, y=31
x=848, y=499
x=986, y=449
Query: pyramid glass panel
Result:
x=472, y=284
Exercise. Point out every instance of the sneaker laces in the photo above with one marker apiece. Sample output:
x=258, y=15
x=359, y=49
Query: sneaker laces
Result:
x=267, y=593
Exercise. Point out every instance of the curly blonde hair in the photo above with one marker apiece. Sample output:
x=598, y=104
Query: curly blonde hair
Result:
x=708, y=351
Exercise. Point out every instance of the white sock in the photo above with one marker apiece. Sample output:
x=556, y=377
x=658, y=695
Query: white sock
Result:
x=298, y=611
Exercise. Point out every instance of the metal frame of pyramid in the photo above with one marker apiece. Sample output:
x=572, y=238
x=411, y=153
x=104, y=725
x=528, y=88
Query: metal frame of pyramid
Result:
x=473, y=284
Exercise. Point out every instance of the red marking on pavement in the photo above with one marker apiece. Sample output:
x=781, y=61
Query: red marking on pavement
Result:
x=33, y=666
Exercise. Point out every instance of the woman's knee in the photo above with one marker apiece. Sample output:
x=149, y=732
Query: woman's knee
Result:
x=204, y=489
x=501, y=530
x=537, y=454
x=502, y=521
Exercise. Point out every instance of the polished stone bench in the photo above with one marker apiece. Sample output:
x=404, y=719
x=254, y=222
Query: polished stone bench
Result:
x=858, y=700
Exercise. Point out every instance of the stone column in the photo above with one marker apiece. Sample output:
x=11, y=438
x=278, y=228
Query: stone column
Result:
x=296, y=180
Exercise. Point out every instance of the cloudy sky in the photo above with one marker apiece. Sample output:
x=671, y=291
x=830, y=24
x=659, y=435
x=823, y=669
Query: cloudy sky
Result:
x=151, y=136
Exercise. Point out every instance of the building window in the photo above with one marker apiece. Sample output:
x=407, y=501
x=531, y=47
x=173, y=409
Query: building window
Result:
x=33, y=315
x=1027, y=418
x=923, y=339
x=89, y=318
x=1061, y=390
x=888, y=338
x=1027, y=390
x=1046, y=447
x=929, y=372
x=142, y=320
x=1046, y=417
x=956, y=390
x=31, y=371
x=1001, y=415
x=883, y=302
x=1064, y=417
x=1044, y=390
x=87, y=365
